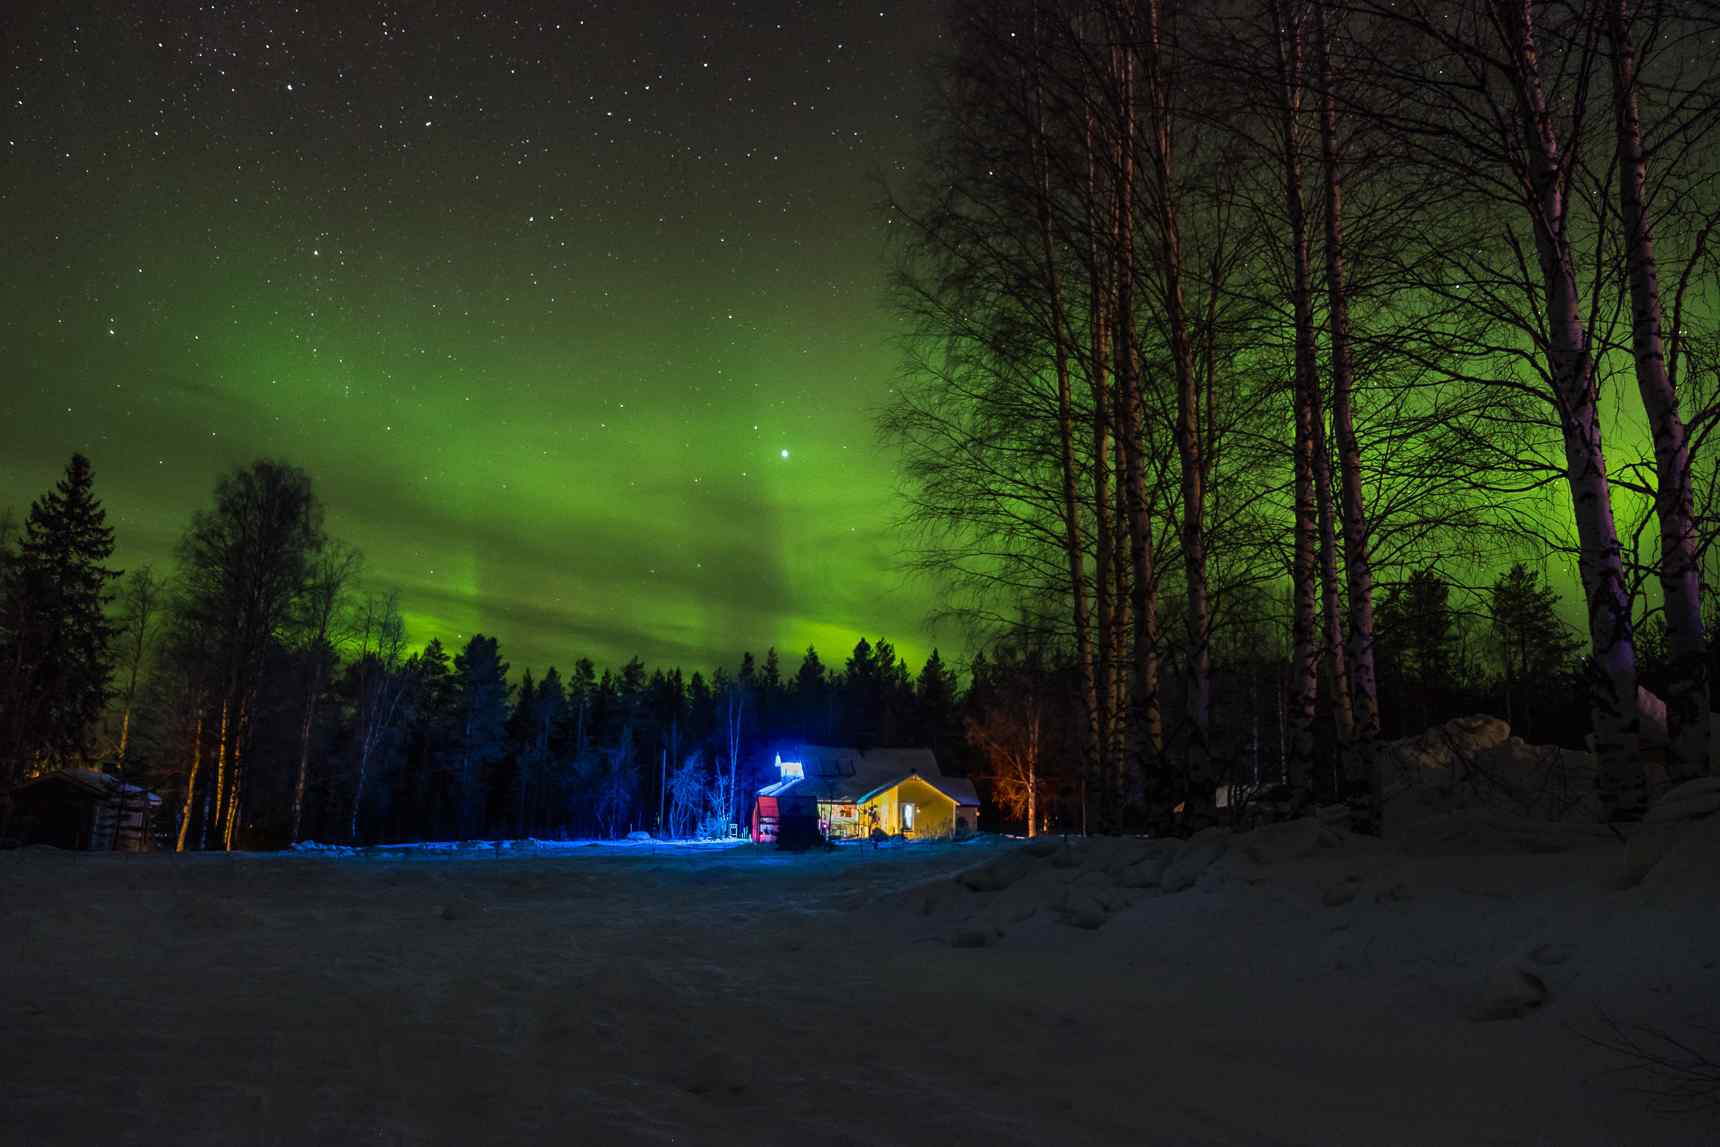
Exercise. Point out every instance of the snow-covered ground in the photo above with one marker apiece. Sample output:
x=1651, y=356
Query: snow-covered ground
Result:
x=1291, y=985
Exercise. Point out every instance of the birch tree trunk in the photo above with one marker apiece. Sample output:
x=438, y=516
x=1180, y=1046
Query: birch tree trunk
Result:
x=1103, y=530
x=1126, y=734
x=213, y=794
x=1687, y=705
x=241, y=726
x=1144, y=744
x=1358, y=569
x=1304, y=660
x=1065, y=434
x=190, y=784
x=1198, y=700
x=305, y=749
x=1332, y=606
x=1612, y=679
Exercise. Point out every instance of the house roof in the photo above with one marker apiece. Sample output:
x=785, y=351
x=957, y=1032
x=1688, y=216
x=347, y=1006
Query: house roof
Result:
x=89, y=783
x=847, y=774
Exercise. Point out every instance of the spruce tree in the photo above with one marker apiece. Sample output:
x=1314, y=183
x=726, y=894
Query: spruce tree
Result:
x=55, y=634
x=812, y=698
x=481, y=687
x=935, y=704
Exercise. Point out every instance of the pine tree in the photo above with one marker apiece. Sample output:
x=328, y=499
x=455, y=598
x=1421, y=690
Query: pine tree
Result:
x=522, y=744
x=481, y=688
x=1534, y=644
x=1417, y=643
x=772, y=707
x=548, y=713
x=581, y=690
x=935, y=704
x=430, y=727
x=859, y=695
x=811, y=693
x=55, y=635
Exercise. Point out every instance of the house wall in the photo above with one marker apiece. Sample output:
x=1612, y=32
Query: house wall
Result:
x=935, y=813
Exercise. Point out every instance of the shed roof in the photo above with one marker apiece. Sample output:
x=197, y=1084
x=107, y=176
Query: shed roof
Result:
x=87, y=783
x=849, y=774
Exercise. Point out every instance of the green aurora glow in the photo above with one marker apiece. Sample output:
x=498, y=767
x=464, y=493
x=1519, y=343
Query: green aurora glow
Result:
x=537, y=306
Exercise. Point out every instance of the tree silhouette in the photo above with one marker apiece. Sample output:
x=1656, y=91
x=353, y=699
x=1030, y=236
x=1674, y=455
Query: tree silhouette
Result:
x=55, y=636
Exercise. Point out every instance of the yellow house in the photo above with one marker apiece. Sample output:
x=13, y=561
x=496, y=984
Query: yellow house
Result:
x=852, y=793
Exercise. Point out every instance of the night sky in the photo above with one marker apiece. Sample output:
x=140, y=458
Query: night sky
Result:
x=573, y=312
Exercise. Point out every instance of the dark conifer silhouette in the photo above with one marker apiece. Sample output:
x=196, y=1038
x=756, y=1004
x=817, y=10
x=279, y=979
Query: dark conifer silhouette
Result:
x=55, y=635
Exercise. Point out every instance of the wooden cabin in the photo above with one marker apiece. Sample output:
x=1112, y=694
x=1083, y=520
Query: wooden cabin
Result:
x=848, y=793
x=80, y=809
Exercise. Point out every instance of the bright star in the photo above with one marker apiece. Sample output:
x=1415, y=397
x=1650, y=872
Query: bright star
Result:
x=785, y=454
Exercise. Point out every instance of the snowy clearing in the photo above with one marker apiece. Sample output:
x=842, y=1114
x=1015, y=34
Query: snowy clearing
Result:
x=1290, y=985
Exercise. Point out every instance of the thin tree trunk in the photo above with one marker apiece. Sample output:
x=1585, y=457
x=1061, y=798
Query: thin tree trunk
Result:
x=1124, y=731
x=1612, y=680
x=1304, y=669
x=232, y=805
x=1358, y=567
x=1145, y=724
x=358, y=788
x=1198, y=701
x=1687, y=705
x=1033, y=777
x=190, y=784
x=124, y=794
x=240, y=725
x=1065, y=435
x=220, y=790
x=1098, y=353
x=305, y=748
x=1332, y=604
x=214, y=795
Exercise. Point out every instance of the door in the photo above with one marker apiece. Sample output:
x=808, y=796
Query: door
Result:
x=907, y=817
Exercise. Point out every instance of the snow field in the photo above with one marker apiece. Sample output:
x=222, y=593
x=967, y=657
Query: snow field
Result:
x=1290, y=985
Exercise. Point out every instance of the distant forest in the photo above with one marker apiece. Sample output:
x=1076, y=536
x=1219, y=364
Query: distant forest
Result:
x=270, y=693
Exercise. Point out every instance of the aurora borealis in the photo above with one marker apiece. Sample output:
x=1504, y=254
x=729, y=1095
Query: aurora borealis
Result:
x=539, y=294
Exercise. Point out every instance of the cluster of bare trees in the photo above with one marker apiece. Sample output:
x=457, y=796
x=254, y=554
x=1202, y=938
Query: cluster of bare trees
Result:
x=1215, y=299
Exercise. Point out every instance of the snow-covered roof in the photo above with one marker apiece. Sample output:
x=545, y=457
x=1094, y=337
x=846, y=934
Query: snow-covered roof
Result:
x=848, y=774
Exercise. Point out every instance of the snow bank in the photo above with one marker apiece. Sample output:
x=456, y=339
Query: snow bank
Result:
x=527, y=846
x=1475, y=763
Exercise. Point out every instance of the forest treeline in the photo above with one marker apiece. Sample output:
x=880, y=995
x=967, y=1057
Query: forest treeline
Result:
x=270, y=693
x=1251, y=338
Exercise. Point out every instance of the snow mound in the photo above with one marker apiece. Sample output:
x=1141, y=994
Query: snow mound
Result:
x=1675, y=851
x=313, y=848
x=1083, y=883
x=1474, y=763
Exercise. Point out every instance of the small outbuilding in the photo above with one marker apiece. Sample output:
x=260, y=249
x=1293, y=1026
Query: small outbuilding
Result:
x=848, y=793
x=80, y=809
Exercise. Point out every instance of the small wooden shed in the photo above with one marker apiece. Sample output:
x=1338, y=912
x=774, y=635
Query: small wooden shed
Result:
x=80, y=809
